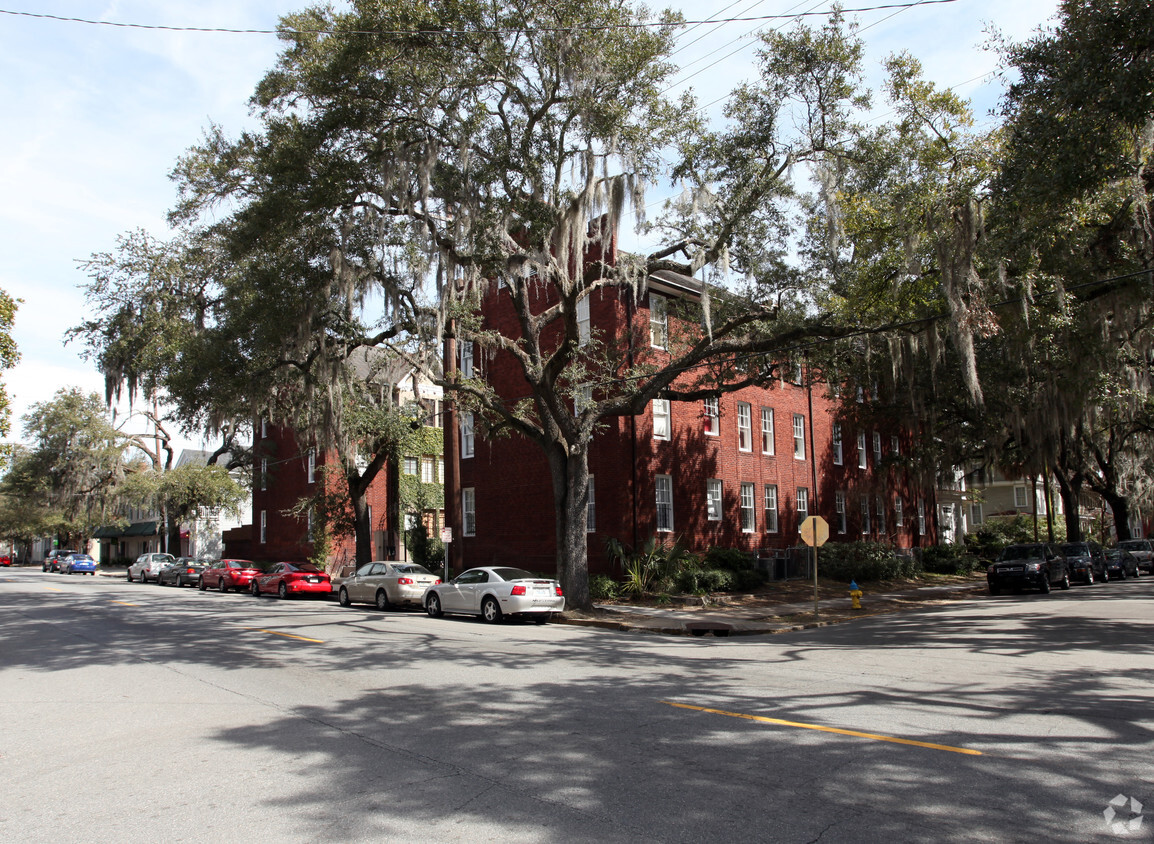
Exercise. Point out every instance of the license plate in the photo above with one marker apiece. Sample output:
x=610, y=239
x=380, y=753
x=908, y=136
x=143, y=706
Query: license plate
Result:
x=313, y=579
x=1014, y=568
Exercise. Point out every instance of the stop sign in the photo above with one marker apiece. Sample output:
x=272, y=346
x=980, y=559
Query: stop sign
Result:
x=815, y=531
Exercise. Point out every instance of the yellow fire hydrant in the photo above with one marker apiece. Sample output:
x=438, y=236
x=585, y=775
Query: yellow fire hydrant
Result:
x=855, y=594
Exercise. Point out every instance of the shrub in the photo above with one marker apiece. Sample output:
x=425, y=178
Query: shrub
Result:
x=996, y=533
x=864, y=561
x=731, y=559
x=603, y=588
x=948, y=559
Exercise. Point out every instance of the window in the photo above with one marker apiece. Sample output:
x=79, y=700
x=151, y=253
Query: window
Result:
x=976, y=513
x=797, y=374
x=661, y=419
x=895, y=445
x=583, y=323
x=839, y=508
x=712, y=418
x=441, y=470
x=861, y=451
x=466, y=360
x=590, y=509
x=469, y=512
x=899, y=515
x=865, y=514
x=582, y=398
x=881, y=514
x=799, y=436
x=312, y=466
x=1020, y=499
x=837, y=451
x=802, y=504
x=658, y=322
x=767, y=430
x=744, y=426
x=877, y=448
x=263, y=526
x=410, y=466
x=263, y=474
x=432, y=408
x=664, y=503
x=748, y=518
x=426, y=470
x=263, y=428
x=713, y=500
x=466, y=436
x=310, y=523
x=921, y=517
x=770, y=508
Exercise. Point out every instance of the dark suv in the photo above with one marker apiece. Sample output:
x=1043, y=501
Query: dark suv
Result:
x=1034, y=565
x=54, y=558
x=1087, y=561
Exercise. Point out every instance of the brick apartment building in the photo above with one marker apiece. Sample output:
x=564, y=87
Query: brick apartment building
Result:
x=737, y=471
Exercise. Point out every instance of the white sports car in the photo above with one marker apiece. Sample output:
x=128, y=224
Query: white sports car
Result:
x=494, y=592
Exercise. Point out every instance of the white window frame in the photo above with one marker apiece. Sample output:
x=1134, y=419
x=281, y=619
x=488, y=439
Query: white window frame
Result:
x=835, y=440
x=976, y=515
x=881, y=514
x=662, y=423
x=713, y=498
x=440, y=469
x=861, y=451
x=799, y=436
x=744, y=426
x=839, y=509
x=658, y=321
x=802, y=504
x=469, y=511
x=1021, y=497
x=584, y=324
x=263, y=527
x=748, y=515
x=263, y=427
x=895, y=445
x=877, y=448
x=466, y=359
x=591, y=509
x=411, y=466
x=899, y=513
x=663, y=499
x=865, y=515
x=263, y=474
x=312, y=466
x=767, y=431
x=712, y=414
x=467, y=443
x=582, y=398
x=921, y=517
x=310, y=516
x=771, y=512
x=427, y=470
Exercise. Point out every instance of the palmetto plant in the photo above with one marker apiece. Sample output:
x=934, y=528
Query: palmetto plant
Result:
x=650, y=565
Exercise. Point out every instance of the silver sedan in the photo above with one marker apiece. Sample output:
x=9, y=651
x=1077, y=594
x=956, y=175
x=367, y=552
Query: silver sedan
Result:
x=386, y=584
x=494, y=592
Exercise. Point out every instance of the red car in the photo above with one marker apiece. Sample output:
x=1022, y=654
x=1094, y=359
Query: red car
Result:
x=229, y=574
x=5, y=560
x=287, y=579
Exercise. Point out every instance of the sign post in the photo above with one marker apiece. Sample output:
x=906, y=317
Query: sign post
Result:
x=446, y=540
x=814, y=533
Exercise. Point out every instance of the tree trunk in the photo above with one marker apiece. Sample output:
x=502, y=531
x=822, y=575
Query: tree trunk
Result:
x=1120, y=507
x=570, y=473
x=362, y=529
x=1069, y=490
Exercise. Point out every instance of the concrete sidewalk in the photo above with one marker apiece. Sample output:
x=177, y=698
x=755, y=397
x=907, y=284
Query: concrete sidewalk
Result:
x=774, y=618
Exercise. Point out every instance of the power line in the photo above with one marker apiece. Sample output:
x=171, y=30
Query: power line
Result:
x=581, y=28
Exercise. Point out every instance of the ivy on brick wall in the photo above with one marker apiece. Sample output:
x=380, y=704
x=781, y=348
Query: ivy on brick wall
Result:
x=415, y=495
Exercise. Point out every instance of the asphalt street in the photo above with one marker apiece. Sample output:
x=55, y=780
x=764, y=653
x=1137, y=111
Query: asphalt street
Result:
x=137, y=713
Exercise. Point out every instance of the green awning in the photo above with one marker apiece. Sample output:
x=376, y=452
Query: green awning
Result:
x=108, y=532
x=141, y=529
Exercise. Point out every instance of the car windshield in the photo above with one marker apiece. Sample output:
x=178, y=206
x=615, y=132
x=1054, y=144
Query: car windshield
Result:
x=309, y=567
x=514, y=574
x=410, y=568
x=81, y=558
x=1023, y=552
x=1135, y=545
x=1076, y=549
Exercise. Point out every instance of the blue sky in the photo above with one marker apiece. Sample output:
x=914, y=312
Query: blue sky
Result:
x=97, y=115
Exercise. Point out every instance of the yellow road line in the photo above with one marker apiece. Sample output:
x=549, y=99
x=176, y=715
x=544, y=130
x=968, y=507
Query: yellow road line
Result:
x=286, y=635
x=53, y=589
x=125, y=604
x=839, y=731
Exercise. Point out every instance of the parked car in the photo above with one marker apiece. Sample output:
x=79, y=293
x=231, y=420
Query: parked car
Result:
x=1036, y=565
x=183, y=571
x=5, y=560
x=494, y=592
x=229, y=574
x=287, y=579
x=148, y=566
x=386, y=584
x=1087, y=561
x=52, y=559
x=1143, y=549
x=1121, y=564
x=78, y=563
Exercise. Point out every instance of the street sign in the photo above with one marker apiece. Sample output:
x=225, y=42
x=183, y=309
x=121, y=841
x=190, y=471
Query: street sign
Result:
x=814, y=531
x=447, y=535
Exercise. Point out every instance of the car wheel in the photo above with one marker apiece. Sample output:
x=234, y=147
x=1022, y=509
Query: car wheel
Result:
x=1045, y=584
x=1105, y=577
x=128, y=575
x=201, y=585
x=343, y=597
x=222, y=585
x=491, y=610
x=1089, y=578
x=255, y=589
x=543, y=618
x=383, y=600
x=1065, y=581
x=1122, y=573
x=282, y=591
x=433, y=606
